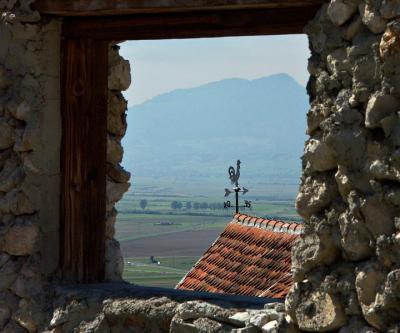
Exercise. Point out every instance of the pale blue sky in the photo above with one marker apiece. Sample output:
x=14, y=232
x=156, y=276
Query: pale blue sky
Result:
x=164, y=65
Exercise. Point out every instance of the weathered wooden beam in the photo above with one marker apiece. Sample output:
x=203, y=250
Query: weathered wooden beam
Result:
x=126, y=7
x=83, y=159
x=192, y=25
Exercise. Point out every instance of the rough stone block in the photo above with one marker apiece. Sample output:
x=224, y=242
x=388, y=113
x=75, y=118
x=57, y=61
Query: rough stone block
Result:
x=114, y=150
x=356, y=240
x=315, y=194
x=369, y=282
x=380, y=106
x=114, y=264
x=371, y=17
x=7, y=135
x=379, y=216
x=320, y=156
x=320, y=312
x=340, y=11
x=22, y=238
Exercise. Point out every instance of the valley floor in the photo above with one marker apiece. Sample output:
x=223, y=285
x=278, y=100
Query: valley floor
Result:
x=176, y=238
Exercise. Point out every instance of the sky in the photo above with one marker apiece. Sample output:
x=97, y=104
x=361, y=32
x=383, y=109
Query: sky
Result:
x=161, y=66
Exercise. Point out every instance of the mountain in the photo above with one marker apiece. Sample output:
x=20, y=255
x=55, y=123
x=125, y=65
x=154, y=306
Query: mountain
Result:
x=195, y=134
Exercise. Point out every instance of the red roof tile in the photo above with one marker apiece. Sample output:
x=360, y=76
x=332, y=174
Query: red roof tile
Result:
x=251, y=257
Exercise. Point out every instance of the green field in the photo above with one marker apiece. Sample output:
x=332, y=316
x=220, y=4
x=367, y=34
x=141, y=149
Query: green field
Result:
x=170, y=271
x=158, y=227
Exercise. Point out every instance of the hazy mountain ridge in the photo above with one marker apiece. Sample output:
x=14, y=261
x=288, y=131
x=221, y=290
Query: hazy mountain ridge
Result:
x=198, y=132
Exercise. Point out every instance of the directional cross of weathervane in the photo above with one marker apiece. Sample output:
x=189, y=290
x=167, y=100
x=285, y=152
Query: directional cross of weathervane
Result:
x=234, y=176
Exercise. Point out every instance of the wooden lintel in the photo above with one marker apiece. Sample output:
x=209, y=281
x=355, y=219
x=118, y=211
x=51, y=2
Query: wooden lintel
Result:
x=127, y=7
x=192, y=25
x=83, y=159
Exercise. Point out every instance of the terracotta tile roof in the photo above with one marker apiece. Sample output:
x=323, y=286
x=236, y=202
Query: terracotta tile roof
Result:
x=251, y=257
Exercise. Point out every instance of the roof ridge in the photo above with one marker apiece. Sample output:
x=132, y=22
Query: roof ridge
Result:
x=289, y=227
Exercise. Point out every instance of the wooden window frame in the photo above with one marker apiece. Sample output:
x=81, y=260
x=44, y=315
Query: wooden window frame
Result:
x=84, y=74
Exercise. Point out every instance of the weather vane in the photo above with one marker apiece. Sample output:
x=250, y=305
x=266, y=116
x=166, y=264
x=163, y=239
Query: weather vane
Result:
x=234, y=176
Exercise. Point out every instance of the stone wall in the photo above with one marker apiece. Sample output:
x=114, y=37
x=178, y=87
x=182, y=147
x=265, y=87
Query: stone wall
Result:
x=125, y=308
x=30, y=134
x=347, y=265
x=30, y=138
x=117, y=178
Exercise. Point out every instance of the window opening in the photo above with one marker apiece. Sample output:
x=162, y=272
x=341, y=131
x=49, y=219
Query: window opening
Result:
x=195, y=107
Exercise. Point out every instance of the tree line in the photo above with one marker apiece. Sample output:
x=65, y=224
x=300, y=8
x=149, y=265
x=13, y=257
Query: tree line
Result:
x=188, y=205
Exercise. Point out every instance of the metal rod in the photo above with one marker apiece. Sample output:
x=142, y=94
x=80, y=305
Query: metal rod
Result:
x=237, y=199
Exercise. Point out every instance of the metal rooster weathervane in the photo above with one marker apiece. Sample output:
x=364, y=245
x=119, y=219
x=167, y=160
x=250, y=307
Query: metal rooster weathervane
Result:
x=234, y=176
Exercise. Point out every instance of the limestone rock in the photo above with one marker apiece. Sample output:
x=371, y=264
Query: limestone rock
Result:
x=357, y=325
x=116, y=125
x=151, y=315
x=271, y=327
x=119, y=77
x=118, y=173
x=5, y=81
x=114, y=264
x=369, y=282
x=13, y=327
x=390, y=41
x=388, y=250
x=322, y=33
x=380, y=106
x=247, y=329
x=60, y=316
x=206, y=325
x=384, y=170
x=4, y=157
x=115, y=191
x=28, y=286
x=259, y=320
x=340, y=11
x=198, y=309
x=114, y=150
x=27, y=139
x=320, y=312
x=355, y=237
x=243, y=317
x=371, y=17
x=393, y=196
x=347, y=142
x=22, y=238
x=390, y=9
x=337, y=62
x=379, y=216
x=312, y=251
x=11, y=175
x=9, y=300
x=353, y=29
x=7, y=137
x=320, y=155
x=5, y=315
x=4, y=257
x=110, y=223
x=314, y=118
x=117, y=104
x=17, y=203
x=349, y=181
x=21, y=111
x=315, y=194
x=29, y=315
x=9, y=273
x=99, y=324
x=179, y=326
x=389, y=124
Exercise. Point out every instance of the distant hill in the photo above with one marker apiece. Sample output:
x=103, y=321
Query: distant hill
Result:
x=197, y=133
